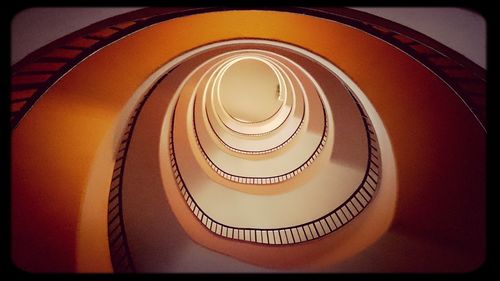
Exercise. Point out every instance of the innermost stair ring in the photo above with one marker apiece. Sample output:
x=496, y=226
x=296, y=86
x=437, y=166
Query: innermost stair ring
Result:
x=250, y=90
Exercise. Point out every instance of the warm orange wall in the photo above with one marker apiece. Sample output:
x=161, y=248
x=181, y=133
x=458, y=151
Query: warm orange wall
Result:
x=54, y=147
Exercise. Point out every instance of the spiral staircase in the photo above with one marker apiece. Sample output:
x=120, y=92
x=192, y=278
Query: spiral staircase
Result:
x=247, y=140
